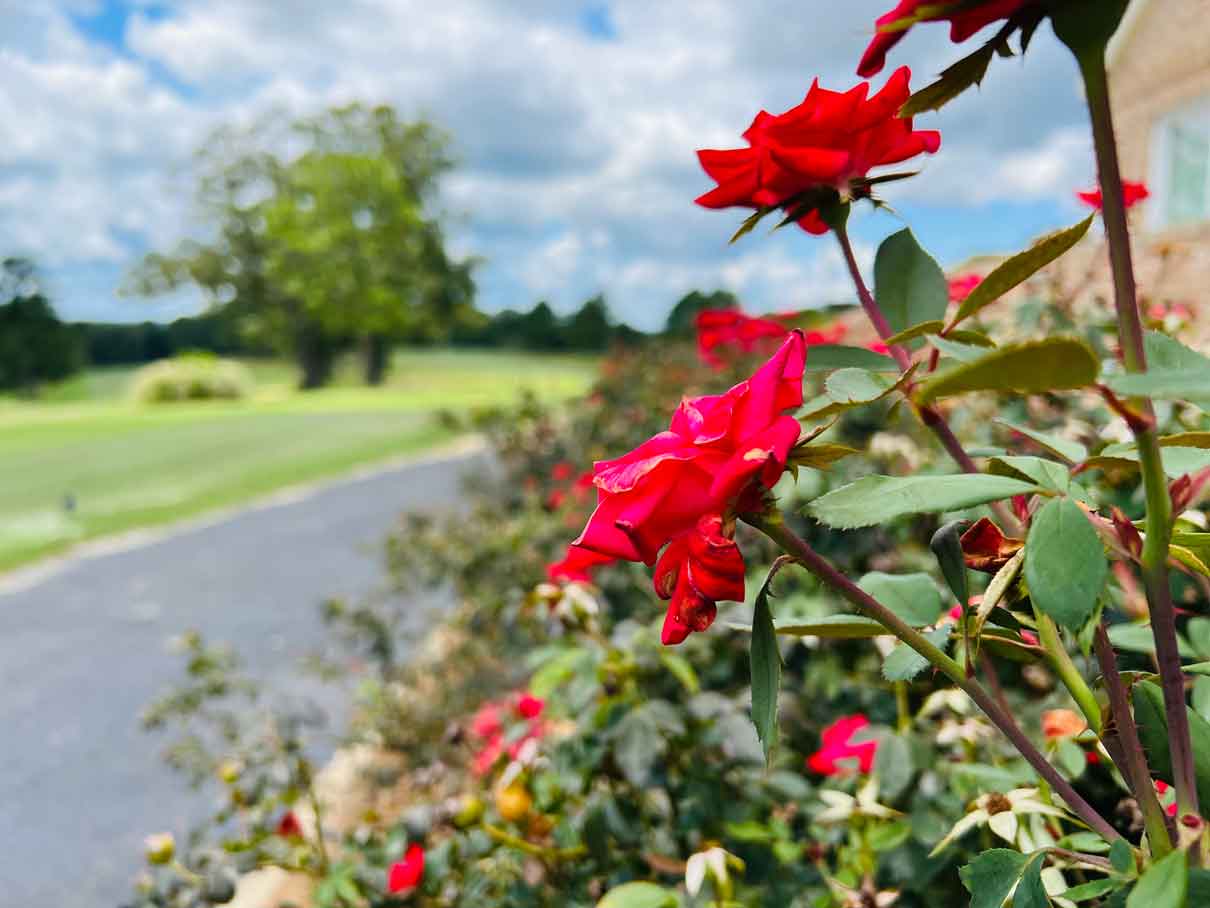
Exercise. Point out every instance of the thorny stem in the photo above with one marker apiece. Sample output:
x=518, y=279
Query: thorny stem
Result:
x=776, y=530
x=1138, y=774
x=1159, y=506
x=537, y=851
x=929, y=415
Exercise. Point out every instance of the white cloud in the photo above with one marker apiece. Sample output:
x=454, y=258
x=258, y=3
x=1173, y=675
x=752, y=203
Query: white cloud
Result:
x=578, y=153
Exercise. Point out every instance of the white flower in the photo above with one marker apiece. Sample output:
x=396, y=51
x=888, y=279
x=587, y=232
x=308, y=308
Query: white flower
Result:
x=841, y=806
x=1002, y=814
x=713, y=860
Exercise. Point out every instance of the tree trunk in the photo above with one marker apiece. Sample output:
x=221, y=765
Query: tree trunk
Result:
x=316, y=355
x=377, y=353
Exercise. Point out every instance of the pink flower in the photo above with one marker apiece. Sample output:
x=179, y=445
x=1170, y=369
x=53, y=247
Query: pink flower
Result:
x=698, y=568
x=529, y=706
x=733, y=330
x=719, y=453
x=836, y=745
x=487, y=756
x=487, y=722
x=828, y=141
x=406, y=875
x=1132, y=194
x=962, y=285
x=878, y=347
x=965, y=18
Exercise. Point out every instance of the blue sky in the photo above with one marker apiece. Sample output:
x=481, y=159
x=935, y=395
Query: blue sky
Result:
x=575, y=122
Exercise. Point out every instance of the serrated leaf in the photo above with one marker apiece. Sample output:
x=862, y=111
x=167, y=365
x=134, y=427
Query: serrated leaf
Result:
x=1165, y=884
x=878, y=499
x=1046, y=473
x=1137, y=638
x=637, y=745
x=954, y=80
x=903, y=663
x=1071, y=451
x=638, y=895
x=1052, y=364
x=992, y=876
x=845, y=389
x=826, y=357
x=964, y=353
x=1065, y=564
x=909, y=285
x=1121, y=856
x=1019, y=268
x=765, y=661
x=913, y=597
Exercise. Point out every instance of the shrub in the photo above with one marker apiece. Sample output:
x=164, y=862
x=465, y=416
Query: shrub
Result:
x=192, y=376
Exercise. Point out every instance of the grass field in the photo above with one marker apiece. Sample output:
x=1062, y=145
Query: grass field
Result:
x=83, y=461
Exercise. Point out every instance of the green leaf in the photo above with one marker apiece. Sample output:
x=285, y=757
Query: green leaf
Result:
x=1137, y=638
x=1121, y=856
x=878, y=499
x=1065, y=565
x=907, y=334
x=1167, y=353
x=992, y=876
x=638, y=895
x=893, y=765
x=1071, y=451
x=750, y=222
x=1091, y=890
x=554, y=673
x=830, y=627
x=1030, y=891
x=765, y=660
x=954, y=80
x=964, y=353
x=903, y=663
x=913, y=597
x=637, y=745
x=1163, y=385
x=1052, y=364
x=1020, y=267
x=1164, y=885
x=947, y=549
x=845, y=389
x=1201, y=696
x=826, y=357
x=1149, y=714
x=909, y=285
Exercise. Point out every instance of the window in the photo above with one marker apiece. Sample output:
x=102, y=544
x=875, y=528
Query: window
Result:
x=1180, y=176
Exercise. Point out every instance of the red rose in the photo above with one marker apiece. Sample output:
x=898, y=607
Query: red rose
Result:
x=836, y=744
x=577, y=565
x=487, y=756
x=406, y=875
x=698, y=568
x=962, y=285
x=562, y=471
x=718, y=451
x=829, y=140
x=965, y=18
x=1132, y=194
x=288, y=826
x=732, y=330
x=529, y=706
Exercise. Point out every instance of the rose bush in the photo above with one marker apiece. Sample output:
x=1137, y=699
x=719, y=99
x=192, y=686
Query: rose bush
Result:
x=954, y=671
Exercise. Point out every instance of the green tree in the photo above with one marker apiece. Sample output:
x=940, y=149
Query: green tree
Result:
x=589, y=328
x=681, y=318
x=333, y=244
x=34, y=345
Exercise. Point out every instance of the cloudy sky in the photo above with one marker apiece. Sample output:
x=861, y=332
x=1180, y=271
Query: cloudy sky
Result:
x=575, y=122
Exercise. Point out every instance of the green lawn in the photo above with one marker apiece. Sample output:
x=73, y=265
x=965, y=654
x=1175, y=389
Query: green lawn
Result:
x=127, y=465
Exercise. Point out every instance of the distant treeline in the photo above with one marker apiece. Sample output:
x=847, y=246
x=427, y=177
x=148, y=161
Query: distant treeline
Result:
x=587, y=329
x=112, y=344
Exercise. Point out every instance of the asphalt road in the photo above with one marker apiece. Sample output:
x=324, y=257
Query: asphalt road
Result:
x=85, y=646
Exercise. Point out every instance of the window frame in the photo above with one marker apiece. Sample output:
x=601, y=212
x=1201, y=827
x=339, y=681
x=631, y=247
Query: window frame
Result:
x=1194, y=114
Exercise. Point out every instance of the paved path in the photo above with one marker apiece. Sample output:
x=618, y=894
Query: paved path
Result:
x=84, y=647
